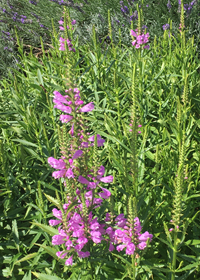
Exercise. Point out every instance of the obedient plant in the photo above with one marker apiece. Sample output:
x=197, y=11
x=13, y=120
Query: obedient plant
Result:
x=82, y=175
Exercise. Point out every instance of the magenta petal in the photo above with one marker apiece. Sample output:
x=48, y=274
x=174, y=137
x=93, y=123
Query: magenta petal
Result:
x=77, y=154
x=54, y=222
x=133, y=33
x=107, y=179
x=87, y=108
x=65, y=118
x=130, y=249
x=82, y=180
x=69, y=261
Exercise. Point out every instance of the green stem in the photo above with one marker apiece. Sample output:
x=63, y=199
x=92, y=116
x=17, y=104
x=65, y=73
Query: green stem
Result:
x=174, y=255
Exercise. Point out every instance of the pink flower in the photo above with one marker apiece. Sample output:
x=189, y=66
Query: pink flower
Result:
x=130, y=249
x=61, y=254
x=65, y=109
x=133, y=33
x=58, y=174
x=65, y=118
x=144, y=236
x=111, y=247
x=69, y=174
x=120, y=247
x=100, y=141
x=56, y=163
x=107, y=179
x=83, y=254
x=57, y=213
x=69, y=261
x=54, y=222
x=77, y=154
x=142, y=245
x=87, y=108
x=82, y=180
x=105, y=194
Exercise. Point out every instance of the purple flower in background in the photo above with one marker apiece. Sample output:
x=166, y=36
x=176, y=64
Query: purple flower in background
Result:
x=32, y=2
x=126, y=9
x=169, y=5
x=179, y=2
x=165, y=26
x=22, y=20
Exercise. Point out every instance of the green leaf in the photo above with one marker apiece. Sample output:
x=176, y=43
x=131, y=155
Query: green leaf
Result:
x=192, y=242
x=43, y=276
x=40, y=77
x=25, y=142
x=28, y=257
x=53, y=200
x=50, y=230
x=15, y=233
x=187, y=267
x=51, y=251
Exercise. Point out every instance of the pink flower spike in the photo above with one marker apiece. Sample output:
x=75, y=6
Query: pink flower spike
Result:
x=171, y=229
x=73, y=22
x=139, y=125
x=61, y=28
x=77, y=154
x=61, y=22
x=107, y=179
x=87, y=108
x=139, y=131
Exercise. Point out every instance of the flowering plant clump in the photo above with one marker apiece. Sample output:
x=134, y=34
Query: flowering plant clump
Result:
x=78, y=226
x=140, y=39
x=82, y=175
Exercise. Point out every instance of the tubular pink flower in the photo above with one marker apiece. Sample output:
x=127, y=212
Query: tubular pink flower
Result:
x=54, y=222
x=58, y=174
x=69, y=174
x=63, y=108
x=105, y=194
x=69, y=261
x=61, y=254
x=83, y=254
x=82, y=180
x=65, y=118
x=77, y=154
x=130, y=249
x=87, y=108
x=57, y=213
x=107, y=179
x=56, y=163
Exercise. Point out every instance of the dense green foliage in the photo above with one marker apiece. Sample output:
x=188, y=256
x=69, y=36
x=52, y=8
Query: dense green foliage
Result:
x=167, y=89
